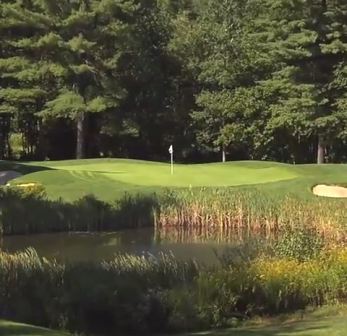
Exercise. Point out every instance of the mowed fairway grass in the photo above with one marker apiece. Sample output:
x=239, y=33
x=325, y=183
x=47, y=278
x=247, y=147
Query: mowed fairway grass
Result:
x=330, y=321
x=109, y=179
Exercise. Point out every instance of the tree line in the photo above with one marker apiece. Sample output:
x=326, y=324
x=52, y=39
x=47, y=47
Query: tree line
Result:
x=219, y=79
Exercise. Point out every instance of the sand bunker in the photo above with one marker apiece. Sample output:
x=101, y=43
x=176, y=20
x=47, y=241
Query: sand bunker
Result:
x=330, y=191
x=26, y=185
x=8, y=175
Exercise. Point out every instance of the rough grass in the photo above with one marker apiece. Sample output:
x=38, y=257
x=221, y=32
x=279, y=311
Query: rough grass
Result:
x=109, y=179
x=330, y=321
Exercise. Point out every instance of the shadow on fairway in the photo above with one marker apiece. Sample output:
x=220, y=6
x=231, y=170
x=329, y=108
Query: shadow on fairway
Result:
x=21, y=167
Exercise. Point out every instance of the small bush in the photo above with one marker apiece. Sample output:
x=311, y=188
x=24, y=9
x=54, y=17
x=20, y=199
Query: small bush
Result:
x=33, y=189
x=299, y=244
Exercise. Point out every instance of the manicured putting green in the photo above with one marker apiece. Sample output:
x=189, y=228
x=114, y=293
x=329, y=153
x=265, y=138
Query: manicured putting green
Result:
x=158, y=174
x=109, y=179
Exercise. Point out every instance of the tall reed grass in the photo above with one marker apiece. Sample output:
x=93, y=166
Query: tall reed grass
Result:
x=221, y=213
x=250, y=212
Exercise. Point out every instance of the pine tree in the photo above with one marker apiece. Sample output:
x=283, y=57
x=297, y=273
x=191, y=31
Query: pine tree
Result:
x=335, y=46
x=64, y=57
x=212, y=43
x=20, y=90
x=296, y=37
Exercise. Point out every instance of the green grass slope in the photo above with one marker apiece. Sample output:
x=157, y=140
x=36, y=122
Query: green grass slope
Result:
x=330, y=321
x=18, y=329
x=108, y=179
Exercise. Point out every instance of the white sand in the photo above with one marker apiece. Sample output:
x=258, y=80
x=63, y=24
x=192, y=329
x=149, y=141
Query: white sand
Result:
x=26, y=185
x=8, y=175
x=330, y=191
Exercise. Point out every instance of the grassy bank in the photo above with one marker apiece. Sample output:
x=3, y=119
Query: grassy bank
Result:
x=109, y=179
x=104, y=195
x=222, y=210
x=8, y=328
x=330, y=320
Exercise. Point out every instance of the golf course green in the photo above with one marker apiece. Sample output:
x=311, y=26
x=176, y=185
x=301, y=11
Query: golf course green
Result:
x=109, y=179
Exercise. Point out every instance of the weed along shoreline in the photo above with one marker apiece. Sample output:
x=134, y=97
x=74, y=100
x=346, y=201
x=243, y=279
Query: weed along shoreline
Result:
x=131, y=294
x=29, y=211
x=283, y=247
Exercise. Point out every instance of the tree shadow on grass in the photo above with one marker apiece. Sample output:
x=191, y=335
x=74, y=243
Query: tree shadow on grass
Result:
x=21, y=167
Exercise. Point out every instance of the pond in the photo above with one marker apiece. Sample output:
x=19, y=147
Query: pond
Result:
x=72, y=247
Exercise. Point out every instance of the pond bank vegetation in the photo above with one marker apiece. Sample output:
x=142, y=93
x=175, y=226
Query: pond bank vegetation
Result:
x=225, y=211
x=161, y=294
x=301, y=262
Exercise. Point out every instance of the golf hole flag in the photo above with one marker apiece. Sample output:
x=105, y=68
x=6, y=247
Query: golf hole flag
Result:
x=171, y=153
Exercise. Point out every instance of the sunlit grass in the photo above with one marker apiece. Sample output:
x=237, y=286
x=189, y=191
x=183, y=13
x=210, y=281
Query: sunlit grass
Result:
x=109, y=179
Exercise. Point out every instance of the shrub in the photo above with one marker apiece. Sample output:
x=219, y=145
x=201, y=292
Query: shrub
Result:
x=300, y=244
x=32, y=189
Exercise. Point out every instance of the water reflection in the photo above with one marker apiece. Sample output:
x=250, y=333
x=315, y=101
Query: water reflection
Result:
x=220, y=235
x=70, y=247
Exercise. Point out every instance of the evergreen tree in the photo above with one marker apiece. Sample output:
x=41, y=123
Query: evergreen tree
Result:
x=73, y=49
x=213, y=43
x=335, y=46
x=257, y=79
x=293, y=35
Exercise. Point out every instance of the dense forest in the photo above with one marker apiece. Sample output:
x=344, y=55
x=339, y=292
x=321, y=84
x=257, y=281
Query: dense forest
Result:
x=218, y=79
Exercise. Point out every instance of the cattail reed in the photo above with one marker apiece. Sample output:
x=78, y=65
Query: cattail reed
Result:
x=251, y=212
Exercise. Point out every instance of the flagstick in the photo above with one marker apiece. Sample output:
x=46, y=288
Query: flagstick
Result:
x=171, y=151
x=172, y=163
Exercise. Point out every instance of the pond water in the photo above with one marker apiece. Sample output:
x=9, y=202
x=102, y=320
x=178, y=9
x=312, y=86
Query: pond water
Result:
x=72, y=247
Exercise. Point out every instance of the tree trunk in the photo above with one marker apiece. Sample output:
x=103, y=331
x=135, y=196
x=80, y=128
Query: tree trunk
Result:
x=320, y=150
x=80, y=143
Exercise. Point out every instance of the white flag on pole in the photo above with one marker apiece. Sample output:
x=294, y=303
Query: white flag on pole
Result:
x=172, y=159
